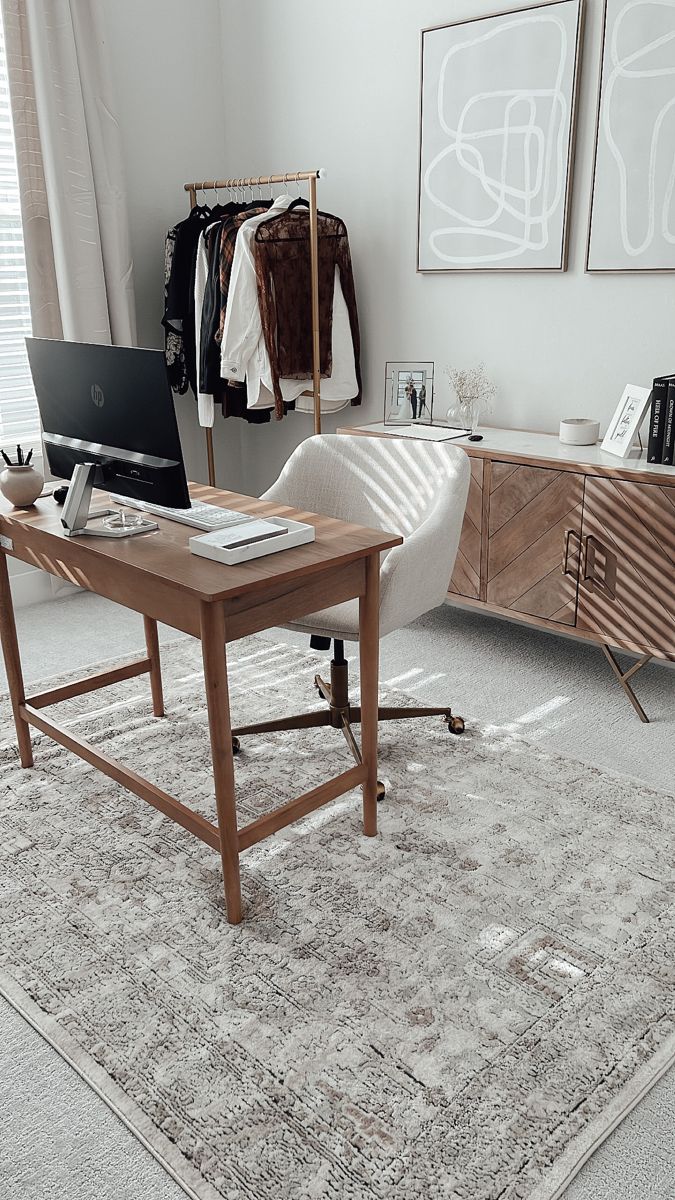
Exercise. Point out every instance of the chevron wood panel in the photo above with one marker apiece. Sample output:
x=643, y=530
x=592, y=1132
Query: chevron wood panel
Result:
x=466, y=575
x=531, y=511
x=515, y=487
x=627, y=585
x=501, y=472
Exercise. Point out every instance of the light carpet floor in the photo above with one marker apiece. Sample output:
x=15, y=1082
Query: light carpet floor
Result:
x=653, y=1177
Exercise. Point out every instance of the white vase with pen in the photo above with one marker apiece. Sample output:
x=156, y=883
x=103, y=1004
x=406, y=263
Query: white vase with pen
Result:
x=20, y=482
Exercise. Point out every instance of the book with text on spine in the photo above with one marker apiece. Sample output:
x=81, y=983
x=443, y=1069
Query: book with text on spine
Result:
x=669, y=426
x=657, y=419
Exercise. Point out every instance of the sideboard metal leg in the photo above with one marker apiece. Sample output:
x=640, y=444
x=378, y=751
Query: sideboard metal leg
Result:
x=624, y=676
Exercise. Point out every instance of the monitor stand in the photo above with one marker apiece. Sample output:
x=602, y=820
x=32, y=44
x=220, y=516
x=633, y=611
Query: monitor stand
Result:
x=76, y=514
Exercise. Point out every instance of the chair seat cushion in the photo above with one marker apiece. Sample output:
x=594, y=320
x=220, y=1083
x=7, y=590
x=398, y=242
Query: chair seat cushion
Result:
x=340, y=621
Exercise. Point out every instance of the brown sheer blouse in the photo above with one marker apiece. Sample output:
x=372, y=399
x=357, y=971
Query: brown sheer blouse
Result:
x=282, y=261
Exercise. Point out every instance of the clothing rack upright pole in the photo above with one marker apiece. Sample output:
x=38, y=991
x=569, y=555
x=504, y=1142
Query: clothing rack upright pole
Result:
x=314, y=268
x=265, y=181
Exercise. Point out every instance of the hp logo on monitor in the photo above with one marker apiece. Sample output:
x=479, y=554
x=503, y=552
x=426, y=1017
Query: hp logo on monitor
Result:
x=97, y=395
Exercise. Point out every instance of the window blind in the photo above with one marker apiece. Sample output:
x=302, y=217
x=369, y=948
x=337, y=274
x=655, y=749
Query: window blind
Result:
x=19, y=421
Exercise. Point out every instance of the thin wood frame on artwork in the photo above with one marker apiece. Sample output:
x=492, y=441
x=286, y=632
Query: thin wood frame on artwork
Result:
x=571, y=140
x=601, y=88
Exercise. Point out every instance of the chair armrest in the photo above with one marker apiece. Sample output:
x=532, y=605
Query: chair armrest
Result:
x=416, y=575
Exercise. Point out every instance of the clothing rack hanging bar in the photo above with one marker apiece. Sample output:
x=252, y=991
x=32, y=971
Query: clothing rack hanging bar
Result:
x=263, y=181
x=254, y=181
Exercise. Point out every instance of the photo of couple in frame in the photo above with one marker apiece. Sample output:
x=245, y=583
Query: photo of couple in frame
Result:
x=409, y=390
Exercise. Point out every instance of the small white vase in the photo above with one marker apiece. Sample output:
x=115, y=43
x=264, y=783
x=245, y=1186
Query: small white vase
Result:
x=465, y=413
x=21, y=485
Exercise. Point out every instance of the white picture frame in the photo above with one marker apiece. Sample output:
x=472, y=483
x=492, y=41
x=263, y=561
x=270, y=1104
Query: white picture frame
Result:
x=626, y=421
x=498, y=103
x=409, y=393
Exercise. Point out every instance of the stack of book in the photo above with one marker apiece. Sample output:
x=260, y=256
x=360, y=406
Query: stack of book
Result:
x=661, y=448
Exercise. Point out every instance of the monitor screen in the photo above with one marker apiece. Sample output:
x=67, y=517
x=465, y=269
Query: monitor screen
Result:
x=111, y=406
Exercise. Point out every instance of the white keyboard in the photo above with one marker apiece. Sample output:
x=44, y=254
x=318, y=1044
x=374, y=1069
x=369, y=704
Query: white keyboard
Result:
x=200, y=516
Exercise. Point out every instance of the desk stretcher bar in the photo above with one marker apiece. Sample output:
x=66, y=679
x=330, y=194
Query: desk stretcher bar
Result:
x=205, y=830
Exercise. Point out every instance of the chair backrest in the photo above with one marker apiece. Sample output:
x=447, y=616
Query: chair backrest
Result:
x=414, y=488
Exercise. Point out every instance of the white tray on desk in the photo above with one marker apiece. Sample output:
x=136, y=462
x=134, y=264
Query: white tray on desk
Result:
x=297, y=534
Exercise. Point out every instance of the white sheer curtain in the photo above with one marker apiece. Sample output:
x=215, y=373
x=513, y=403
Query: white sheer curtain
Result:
x=76, y=231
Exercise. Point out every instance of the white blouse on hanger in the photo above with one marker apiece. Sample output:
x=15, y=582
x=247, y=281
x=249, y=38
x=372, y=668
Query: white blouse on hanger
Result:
x=243, y=324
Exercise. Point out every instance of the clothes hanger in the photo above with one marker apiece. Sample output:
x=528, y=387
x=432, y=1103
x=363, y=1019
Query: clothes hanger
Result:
x=201, y=210
x=299, y=201
x=220, y=210
x=253, y=203
x=243, y=204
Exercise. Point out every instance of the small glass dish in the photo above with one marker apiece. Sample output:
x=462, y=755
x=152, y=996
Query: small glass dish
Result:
x=124, y=520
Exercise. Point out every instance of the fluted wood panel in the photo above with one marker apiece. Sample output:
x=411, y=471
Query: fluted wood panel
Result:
x=627, y=586
x=466, y=575
x=531, y=511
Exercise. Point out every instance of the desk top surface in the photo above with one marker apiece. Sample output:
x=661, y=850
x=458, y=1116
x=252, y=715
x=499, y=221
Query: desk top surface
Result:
x=164, y=555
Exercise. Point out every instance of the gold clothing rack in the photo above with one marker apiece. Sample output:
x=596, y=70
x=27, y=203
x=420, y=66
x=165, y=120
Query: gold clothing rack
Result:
x=265, y=181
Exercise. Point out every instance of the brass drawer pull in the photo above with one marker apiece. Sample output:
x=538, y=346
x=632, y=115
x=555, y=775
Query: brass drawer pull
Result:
x=607, y=584
x=589, y=562
x=568, y=534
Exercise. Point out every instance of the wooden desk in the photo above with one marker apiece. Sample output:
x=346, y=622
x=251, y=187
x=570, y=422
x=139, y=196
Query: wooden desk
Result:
x=156, y=575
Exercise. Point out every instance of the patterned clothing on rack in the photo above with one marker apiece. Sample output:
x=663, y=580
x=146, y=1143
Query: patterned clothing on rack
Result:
x=180, y=255
x=281, y=251
x=211, y=276
x=237, y=310
x=173, y=340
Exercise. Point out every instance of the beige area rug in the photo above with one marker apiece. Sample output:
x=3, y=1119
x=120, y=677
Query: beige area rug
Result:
x=461, y=1008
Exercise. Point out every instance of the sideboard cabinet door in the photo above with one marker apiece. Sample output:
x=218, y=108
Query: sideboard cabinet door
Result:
x=534, y=541
x=627, y=578
x=466, y=574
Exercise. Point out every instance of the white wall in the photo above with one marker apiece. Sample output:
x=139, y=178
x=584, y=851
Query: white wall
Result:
x=168, y=72
x=315, y=82
x=215, y=87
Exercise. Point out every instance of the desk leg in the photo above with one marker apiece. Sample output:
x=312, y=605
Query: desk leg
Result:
x=369, y=650
x=215, y=679
x=10, y=650
x=152, y=644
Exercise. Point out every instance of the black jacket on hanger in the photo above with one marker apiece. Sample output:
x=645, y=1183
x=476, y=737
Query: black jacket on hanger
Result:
x=180, y=258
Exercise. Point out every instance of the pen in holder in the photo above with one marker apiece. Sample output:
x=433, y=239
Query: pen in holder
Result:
x=20, y=483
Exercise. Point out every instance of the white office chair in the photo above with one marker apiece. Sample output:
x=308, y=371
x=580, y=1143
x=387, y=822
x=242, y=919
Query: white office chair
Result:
x=414, y=488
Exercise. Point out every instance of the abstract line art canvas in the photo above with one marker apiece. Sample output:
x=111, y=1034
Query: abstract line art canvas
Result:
x=632, y=222
x=497, y=120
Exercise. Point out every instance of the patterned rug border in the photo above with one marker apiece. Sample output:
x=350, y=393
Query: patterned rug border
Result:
x=125, y=1109
x=177, y=1166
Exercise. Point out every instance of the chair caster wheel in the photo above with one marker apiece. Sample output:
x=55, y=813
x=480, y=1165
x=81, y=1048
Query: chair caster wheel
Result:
x=456, y=725
x=381, y=792
x=236, y=745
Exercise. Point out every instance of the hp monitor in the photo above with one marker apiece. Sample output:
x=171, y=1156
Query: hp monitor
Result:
x=109, y=422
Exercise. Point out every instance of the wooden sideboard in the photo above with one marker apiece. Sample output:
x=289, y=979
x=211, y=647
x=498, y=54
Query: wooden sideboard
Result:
x=570, y=539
